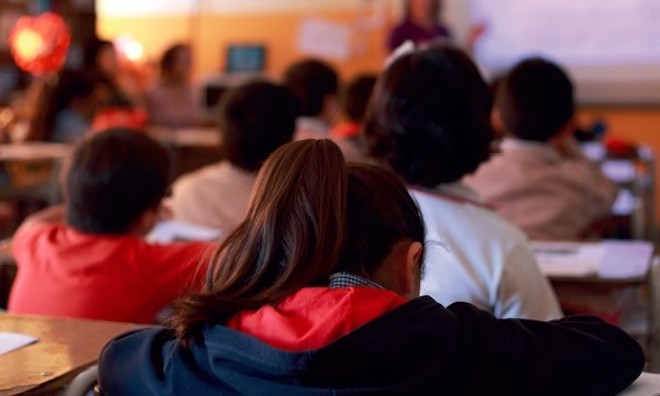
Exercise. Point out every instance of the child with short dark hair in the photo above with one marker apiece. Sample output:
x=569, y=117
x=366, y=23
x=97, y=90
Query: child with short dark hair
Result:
x=256, y=118
x=88, y=259
x=541, y=181
x=355, y=101
x=430, y=123
x=316, y=86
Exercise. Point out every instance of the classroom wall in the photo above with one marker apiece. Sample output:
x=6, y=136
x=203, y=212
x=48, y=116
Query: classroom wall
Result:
x=210, y=25
x=639, y=125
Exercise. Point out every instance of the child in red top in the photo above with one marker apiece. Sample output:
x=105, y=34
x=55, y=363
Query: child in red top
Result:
x=88, y=259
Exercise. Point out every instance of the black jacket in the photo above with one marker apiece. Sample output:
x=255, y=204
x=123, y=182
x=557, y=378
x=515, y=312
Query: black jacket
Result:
x=419, y=348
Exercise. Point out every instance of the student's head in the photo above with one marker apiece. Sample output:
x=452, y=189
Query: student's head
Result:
x=115, y=181
x=357, y=96
x=536, y=100
x=176, y=63
x=421, y=10
x=430, y=117
x=100, y=55
x=392, y=256
x=315, y=84
x=256, y=118
x=79, y=91
x=307, y=214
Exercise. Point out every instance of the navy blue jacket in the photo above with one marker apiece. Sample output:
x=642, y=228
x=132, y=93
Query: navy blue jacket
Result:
x=419, y=348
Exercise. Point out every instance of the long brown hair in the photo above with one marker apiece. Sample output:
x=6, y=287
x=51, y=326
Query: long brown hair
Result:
x=291, y=236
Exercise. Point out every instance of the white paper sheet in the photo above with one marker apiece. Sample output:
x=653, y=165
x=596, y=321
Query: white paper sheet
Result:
x=11, y=341
x=626, y=259
x=173, y=230
x=646, y=385
x=568, y=259
x=325, y=39
x=610, y=259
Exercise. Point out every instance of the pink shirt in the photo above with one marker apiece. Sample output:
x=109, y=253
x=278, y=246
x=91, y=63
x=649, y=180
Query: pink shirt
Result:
x=548, y=195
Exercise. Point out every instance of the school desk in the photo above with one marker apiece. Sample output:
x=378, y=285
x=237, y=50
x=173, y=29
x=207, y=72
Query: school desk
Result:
x=192, y=148
x=646, y=385
x=64, y=348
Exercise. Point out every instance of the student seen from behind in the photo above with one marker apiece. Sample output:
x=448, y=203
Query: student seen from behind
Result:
x=430, y=123
x=304, y=298
x=315, y=85
x=354, y=103
x=256, y=119
x=541, y=181
x=88, y=259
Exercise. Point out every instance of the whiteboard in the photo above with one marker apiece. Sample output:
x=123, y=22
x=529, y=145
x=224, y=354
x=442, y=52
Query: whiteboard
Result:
x=611, y=48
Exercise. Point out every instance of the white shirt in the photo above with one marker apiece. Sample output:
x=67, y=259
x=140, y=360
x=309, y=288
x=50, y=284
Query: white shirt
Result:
x=314, y=128
x=215, y=196
x=473, y=255
x=311, y=128
x=548, y=195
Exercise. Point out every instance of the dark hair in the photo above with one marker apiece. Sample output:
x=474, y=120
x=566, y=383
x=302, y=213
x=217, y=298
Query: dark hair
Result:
x=430, y=117
x=436, y=11
x=113, y=178
x=311, y=81
x=168, y=59
x=291, y=236
x=256, y=118
x=357, y=96
x=91, y=51
x=536, y=100
x=309, y=216
x=377, y=200
x=71, y=85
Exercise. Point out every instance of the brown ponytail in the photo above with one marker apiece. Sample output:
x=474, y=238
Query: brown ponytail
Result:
x=291, y=236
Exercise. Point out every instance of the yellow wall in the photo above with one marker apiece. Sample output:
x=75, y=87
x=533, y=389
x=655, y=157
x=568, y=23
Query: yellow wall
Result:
x=210, y=33
x=277, y=28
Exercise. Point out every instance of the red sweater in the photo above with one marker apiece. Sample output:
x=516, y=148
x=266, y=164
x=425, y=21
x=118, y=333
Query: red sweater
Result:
x=314, y=317
x=63, y=272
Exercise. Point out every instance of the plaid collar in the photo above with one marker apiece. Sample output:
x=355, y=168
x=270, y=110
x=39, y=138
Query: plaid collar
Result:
x=346, y=279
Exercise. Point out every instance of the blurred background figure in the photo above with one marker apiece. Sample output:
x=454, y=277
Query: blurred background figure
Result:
x=422, y=23
x=315, y=84
x=100, y=57
x=72, y=105
x=173, y=101
x=354, y=106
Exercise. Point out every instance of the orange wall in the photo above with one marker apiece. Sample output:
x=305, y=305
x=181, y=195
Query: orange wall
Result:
x=211, y=33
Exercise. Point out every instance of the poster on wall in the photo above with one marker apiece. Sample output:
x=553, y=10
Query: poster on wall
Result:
x=325, y=39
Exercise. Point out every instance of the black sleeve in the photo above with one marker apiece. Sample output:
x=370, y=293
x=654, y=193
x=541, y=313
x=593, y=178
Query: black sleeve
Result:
x=578, y=355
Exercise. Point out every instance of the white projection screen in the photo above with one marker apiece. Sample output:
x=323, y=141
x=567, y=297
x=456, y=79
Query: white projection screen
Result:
x=611, y=48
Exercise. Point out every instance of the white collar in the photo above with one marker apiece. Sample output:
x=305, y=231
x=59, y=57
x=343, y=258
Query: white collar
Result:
x=539, y=149
x=459, y=190
x=312, y=124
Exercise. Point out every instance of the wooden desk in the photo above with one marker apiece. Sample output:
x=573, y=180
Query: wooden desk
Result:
x=646, y=385
x=65, y=347
x=187, y=137
x=192, y=148
x=7, y=271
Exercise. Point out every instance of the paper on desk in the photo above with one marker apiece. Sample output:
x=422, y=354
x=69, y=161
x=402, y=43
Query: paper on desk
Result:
x=174, y=230
x=567, y=258
x=11, y=341
x=608, y=259
x=626, y=259
x=647, y=384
